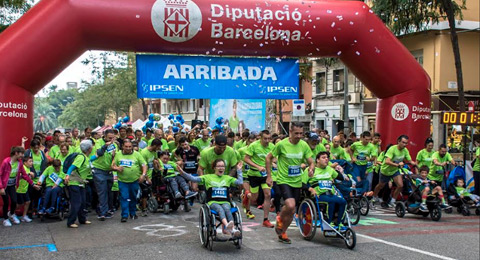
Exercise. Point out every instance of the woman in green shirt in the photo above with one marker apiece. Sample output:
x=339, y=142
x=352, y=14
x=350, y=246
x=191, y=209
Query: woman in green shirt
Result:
x=424, y=157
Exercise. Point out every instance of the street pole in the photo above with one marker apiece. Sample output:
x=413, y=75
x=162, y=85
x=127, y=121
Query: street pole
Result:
x=346, y=120
x=204, y=110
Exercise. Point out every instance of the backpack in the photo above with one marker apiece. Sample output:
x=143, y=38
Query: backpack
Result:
x=69, y=161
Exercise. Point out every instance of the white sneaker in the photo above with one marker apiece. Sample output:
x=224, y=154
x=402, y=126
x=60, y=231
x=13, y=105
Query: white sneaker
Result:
x=7, y=223
x=230, y=226
x=236, y=232
x=26, y=219
x=14, y=219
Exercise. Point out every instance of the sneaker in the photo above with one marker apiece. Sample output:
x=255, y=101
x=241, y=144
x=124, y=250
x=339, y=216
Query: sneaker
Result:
x=41, y=211
x=101, y=218
x=341, y=227
x=391, y=204
x=260, y=207
x=278, y=225
x=445, y=206
x=109, y=216
x=134, y=216
x=13, y=218
x=284, y=238
x=478, y=204
x=191, y=194
x=7, y=223
x=178, y=195
x=50, y=210
x=267, y=224
x=250, y=215
x=86, y=222
x=124, y=219
x=423, y=207
x=229, y=226
x=26, y=219
x=73, y=226
x=236, y=232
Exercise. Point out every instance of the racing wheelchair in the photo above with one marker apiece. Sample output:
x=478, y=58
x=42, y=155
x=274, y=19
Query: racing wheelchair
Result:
x=209, y=224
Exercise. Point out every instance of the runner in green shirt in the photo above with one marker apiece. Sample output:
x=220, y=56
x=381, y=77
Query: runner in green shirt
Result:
x=204, y=142
x=315, y=145
x=424, y=157
x=336, y=151
x=440, y=160
x=290, y=153
x=255, y=156
x=22, y=190
x=362, y=153
x=390, y=169
x=219, y=151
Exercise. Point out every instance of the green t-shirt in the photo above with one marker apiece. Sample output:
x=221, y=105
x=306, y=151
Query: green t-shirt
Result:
x=61, y=157
x=171, y=168
x=54, y=151
x=476, y=166
x=148, y=141
x=89, y=174
x=241, y=157
x=14, y=170
x=82, y=172
x=396, y=156
x=319, y=148
x=104, y=162
x=239, y=144
x=202, y=145
x=208, y=156
x=51, y=175
x=437, y=172
x=324, y=141
x=322, y=180
x=290, y=157
x=258, y=154
x=171, y=146
x=165, y=146
x=361, y=152
x=462, y=191
x=233, y=122
x=132, y=166
x=149, y=157
x=338, y=153
x=424, y=158
x=215, y=181
x=23, y=184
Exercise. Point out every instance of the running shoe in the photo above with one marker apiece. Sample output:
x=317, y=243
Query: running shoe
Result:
x=191, y=194
x=236, y=232
x=284, y=238
x=178, y=195
x=423, y=207
x=124, y=219
x=13, y=218
x=391, y=204
x=267, y=224
x=101, y=218
x=229, y=227
x=341, y=227
x=73, y=226
x=278, y=225
x=250, y=215
x=50, y=210
x=7, y=223
x=26, y=219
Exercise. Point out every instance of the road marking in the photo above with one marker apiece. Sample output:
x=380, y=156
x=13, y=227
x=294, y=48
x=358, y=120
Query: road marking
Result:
x=370, y=221
x=50, y=247
x=158, y=229
x=406, y=247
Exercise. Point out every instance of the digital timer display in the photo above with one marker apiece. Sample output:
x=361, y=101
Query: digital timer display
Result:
x=461, y=118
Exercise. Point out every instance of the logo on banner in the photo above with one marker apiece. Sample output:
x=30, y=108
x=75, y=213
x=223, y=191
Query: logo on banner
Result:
x=176, y=20
x=400, y=111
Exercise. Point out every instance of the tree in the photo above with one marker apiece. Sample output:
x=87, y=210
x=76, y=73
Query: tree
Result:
x=44, y=117
x=11, y=10
x=406, y=16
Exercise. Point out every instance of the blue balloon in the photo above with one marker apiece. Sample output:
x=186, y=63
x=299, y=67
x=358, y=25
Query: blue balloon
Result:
x=149, y=124
x=126, y=119
x=151, y=117
x=144, y=129
x=171, y=117
x=175, y=129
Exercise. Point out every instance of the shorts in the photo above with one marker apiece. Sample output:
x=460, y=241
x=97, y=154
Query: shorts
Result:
x=386, y=179
x=256, y=182
x=289, y=192
x=22, y=198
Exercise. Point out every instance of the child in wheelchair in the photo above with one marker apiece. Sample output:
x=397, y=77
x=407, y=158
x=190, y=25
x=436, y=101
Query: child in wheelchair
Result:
x=173, y=179
x=426, y=187
x=53, y=177
x=322, y=185
x=218, y=186
x=462, y=192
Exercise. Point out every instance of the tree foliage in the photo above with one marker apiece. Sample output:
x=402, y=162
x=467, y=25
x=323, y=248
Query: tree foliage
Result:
x=44, y=119
x=11, y=10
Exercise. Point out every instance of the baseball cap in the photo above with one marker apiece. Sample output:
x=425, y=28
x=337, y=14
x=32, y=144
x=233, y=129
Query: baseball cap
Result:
x=221, y=140
x=314, y=137
x=49, y=138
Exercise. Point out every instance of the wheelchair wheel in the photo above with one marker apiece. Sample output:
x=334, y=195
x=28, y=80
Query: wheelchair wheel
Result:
x=307, y=219
x=353, y=210
x=203, y=226
x=152, y=204
x=350, y=238
x=436, y=213
x=400, y=209
x=237, y=217
x=364, y=206
x=61, y=214
x=465, y=210
x=449, y=211
x=186, y=206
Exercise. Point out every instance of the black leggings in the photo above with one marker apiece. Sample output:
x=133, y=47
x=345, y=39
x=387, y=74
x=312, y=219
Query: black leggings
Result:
x=277, y=196
x=10, y=197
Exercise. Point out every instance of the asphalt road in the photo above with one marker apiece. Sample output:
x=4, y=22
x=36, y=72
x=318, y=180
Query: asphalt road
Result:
x=380, y=235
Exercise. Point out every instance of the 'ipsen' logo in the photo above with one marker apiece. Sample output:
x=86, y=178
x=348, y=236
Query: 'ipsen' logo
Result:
x=400, y=111
x=176, y=20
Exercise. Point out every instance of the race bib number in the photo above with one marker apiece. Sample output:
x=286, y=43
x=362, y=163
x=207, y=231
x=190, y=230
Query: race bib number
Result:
x=264, y=173
x=294, y=171
x=274, y=169
x=54, y=177
x=325, y=184
x=11, y=181
x=111, y=148
x=126, y=163
x=150, y=165
x=361, y=157
x=219, y=193
x=190, y=165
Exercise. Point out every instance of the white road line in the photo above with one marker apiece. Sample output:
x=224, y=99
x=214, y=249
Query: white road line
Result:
x=406, y=247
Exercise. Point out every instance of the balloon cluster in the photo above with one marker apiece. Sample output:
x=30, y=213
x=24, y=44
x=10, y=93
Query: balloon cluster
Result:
x=152, y=122
x=177, y=122
x=121, y=122
x=219, y=124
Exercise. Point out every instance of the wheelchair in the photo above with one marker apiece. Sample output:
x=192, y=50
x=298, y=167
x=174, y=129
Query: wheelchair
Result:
x=161, y=196
x=62, y=206
x=310, y=216
x=209, y=222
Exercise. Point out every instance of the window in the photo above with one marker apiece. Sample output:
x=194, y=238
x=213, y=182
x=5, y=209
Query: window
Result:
x=338, y=80
x=418, y=55
x=320, y=82
x=164, y=108
x=193, y=106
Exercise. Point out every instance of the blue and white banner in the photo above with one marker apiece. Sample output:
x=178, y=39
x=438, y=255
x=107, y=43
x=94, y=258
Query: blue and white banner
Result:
x=239, y=114
x=183, y=77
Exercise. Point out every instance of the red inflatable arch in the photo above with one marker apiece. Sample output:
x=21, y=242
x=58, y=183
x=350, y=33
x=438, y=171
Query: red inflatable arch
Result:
x=55, y=32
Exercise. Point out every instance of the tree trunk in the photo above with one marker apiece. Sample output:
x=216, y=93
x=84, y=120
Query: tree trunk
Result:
x=144, y=108
x=448, y=6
